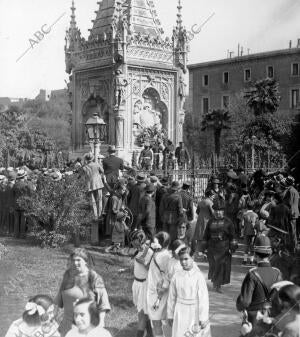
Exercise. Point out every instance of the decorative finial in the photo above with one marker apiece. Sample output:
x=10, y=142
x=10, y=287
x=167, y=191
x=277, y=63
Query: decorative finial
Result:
x=73, y=21
x=179, y=15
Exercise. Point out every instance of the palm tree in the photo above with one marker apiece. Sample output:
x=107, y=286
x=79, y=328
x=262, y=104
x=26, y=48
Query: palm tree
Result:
x=216, y=120
x=263, y=96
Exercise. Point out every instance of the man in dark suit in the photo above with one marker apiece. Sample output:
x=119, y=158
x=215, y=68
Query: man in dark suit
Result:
x=112, y=165
x=171, y=210
x=136, y=192
x=147, y=216
x=187, y=201
x=182, y=156
x=291, y=199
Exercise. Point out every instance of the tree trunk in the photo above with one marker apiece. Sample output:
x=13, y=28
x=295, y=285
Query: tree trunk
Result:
x=217, y=136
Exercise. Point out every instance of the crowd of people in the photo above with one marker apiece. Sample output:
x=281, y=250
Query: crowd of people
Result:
x=168, y=228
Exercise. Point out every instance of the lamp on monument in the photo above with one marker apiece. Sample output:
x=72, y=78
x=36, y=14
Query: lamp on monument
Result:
x=96, y=130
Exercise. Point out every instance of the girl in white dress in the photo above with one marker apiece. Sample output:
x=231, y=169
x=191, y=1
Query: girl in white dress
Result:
x=174, y=263
x=156, y=294
x=142, y=260
x=188, y=303
x=38, y=319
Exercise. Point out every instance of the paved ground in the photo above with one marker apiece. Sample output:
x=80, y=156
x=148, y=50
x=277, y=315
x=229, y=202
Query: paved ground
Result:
x=225, y=320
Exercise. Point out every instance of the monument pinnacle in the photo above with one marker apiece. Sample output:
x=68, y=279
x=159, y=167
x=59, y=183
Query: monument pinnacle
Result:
x=73, y=21
x=179, y=15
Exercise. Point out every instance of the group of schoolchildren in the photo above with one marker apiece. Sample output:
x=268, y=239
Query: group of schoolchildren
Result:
x=169, y=290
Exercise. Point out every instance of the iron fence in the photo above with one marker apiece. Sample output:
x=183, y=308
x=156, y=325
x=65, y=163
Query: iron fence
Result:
x=197, y=177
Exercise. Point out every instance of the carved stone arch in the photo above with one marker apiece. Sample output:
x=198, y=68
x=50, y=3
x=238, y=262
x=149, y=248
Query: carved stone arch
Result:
x=151, y=96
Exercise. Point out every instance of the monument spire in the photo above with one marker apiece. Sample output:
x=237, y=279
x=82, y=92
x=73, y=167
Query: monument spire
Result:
x=180, y=41
x=72, y=39
x=73, y=21
x=179, y=16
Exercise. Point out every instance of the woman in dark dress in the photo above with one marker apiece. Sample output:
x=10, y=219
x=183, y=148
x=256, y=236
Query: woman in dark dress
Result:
x=219, y=240
x=80, y=281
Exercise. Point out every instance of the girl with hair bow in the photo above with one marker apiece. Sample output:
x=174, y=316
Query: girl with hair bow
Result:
x=38, y=319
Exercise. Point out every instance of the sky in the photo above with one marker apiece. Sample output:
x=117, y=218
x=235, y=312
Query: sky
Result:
x=260, y=25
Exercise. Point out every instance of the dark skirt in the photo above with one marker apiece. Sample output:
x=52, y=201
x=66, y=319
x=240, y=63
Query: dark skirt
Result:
x=219, y=260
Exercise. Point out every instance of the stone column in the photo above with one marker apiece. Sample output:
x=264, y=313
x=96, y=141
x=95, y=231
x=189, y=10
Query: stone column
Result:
x=119, y=123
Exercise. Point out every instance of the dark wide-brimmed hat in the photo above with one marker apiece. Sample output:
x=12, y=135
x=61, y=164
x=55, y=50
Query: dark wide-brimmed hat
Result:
x=186, y=183
x=175, y=186
x=89, y=157
x=111, y=149
x=262, y=245
x=164, y=181
x=141, y=177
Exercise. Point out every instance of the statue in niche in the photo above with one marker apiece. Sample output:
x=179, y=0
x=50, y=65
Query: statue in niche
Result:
x=147, y=117
x=137, y=112
x=120, y=87
x=150, y=117
x=182, y=90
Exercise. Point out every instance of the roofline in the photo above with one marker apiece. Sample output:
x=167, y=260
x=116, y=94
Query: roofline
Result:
x=245, y=58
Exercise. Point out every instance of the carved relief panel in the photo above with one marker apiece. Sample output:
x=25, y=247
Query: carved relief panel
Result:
x=151, y=100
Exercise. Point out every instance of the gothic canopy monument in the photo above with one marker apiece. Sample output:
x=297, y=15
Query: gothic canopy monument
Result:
x=127, y=72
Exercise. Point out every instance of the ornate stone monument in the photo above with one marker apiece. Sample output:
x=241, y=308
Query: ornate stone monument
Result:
x=127, y=72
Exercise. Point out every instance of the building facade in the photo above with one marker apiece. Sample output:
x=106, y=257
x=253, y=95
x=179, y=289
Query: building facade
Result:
x=213, y=85
x=127, y=73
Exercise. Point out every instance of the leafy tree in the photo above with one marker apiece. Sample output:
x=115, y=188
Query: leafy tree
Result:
x=35, y=129
x=57, y=210
x=57, y=129
x=191, y=131
x=217, y=120
x=293, y=148
x=263, y=96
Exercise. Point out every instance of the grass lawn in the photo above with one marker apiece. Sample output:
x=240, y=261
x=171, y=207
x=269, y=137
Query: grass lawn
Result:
x=28, y=270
